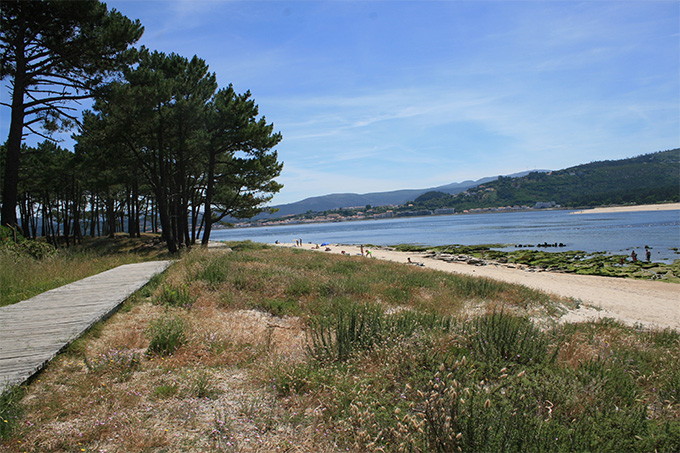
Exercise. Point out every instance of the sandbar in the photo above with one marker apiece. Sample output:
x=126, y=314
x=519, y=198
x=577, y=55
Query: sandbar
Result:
x=653, y=304
x=636, y=208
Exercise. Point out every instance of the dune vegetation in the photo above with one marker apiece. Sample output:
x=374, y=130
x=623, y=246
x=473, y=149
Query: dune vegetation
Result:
x=30, y=267
x=260, y=349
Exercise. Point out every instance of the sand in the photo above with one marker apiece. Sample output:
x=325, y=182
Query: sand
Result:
x=652, y=304
x=637, y=208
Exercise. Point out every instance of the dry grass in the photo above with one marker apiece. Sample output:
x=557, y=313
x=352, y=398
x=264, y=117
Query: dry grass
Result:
x=22, y=276
x=223, y=389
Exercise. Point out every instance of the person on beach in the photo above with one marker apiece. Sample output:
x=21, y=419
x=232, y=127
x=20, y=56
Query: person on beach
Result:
x=648, y=254
x=413, y=262
x=362, y=249
x=368, y=253
x=633, y=256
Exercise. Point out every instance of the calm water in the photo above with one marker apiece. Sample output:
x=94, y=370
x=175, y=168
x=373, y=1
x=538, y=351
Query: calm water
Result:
x=616, y=233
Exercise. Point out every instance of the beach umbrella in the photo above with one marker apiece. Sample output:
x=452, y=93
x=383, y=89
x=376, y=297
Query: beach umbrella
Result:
x=325, y=243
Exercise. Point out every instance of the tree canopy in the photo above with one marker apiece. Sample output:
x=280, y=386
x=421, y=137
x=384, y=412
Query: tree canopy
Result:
x=161, y=142
x=198, y=150
x=55, y=53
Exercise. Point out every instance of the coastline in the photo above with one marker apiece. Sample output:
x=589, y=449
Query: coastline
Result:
x=636, y=208
x=649, y=303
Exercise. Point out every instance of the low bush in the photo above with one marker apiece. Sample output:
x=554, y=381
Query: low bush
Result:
x=244, y=246
x=175, y=297
x=351, y=327
x=500, y=337
x=348, y=327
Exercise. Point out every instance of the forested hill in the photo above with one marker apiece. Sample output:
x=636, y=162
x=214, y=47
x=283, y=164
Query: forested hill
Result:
x=649, y=178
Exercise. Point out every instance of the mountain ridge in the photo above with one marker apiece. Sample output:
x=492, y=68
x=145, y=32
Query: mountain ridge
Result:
x=395, y=197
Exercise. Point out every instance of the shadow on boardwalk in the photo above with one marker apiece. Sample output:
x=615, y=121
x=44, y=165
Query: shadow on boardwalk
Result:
x=32, y=332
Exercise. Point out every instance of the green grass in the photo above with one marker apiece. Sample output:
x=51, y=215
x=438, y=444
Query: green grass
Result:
x=11, y=411
x=174, y=297
x=497, y=384
x=396, y=360
x=23, y=276
x=167, y=335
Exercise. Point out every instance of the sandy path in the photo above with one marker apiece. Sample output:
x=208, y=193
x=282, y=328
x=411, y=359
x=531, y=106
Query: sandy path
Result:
x=650, y=303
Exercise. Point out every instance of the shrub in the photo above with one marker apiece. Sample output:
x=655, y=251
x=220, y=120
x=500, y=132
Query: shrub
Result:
x=544, y=409
x=464, y=415
x=34, y=248
x=353, y=326
x=175, y=297
x=503, y=337
x=167, y=335
x=299, y=287
x=349, y=327
x=407, y=322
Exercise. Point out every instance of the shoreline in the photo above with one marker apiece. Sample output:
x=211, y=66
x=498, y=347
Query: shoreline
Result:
x=598, y=210
x=635, y=208
x=645, y=302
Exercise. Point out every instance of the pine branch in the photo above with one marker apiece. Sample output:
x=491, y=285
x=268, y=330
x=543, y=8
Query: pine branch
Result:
x=47, y=137
x=59, y=99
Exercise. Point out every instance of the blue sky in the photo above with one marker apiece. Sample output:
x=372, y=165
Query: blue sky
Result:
x=377, y=96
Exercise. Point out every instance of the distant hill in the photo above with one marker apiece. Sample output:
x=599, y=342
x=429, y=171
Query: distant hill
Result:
x=396, y=197
x=650, y=178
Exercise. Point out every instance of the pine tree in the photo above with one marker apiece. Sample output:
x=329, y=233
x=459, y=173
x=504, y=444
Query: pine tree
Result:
x=54, y=53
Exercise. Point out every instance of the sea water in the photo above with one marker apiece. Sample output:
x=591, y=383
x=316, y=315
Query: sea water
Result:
x=615, y=232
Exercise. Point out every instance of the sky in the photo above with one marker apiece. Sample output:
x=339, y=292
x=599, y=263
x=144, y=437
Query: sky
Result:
x=373, y=96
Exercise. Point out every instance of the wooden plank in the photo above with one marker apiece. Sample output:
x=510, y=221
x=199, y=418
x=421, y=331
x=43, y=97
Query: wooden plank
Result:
x=32, y=332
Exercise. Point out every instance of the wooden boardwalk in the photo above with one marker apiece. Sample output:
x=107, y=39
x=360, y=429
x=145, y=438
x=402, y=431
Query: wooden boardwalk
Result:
x=32, y=332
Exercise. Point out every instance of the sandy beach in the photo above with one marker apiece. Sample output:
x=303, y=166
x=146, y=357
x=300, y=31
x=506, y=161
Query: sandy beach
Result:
x=637, y=208
x=649, y=303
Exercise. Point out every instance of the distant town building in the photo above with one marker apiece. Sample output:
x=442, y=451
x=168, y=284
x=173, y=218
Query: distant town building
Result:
x=545, y=205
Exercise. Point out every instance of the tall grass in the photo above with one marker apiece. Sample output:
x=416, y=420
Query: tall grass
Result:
x=11, y=411
x=351, y=327
x=23, y=276
x=499, y=337
x=492, y=384
x=351, y=355
x=166, y=334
